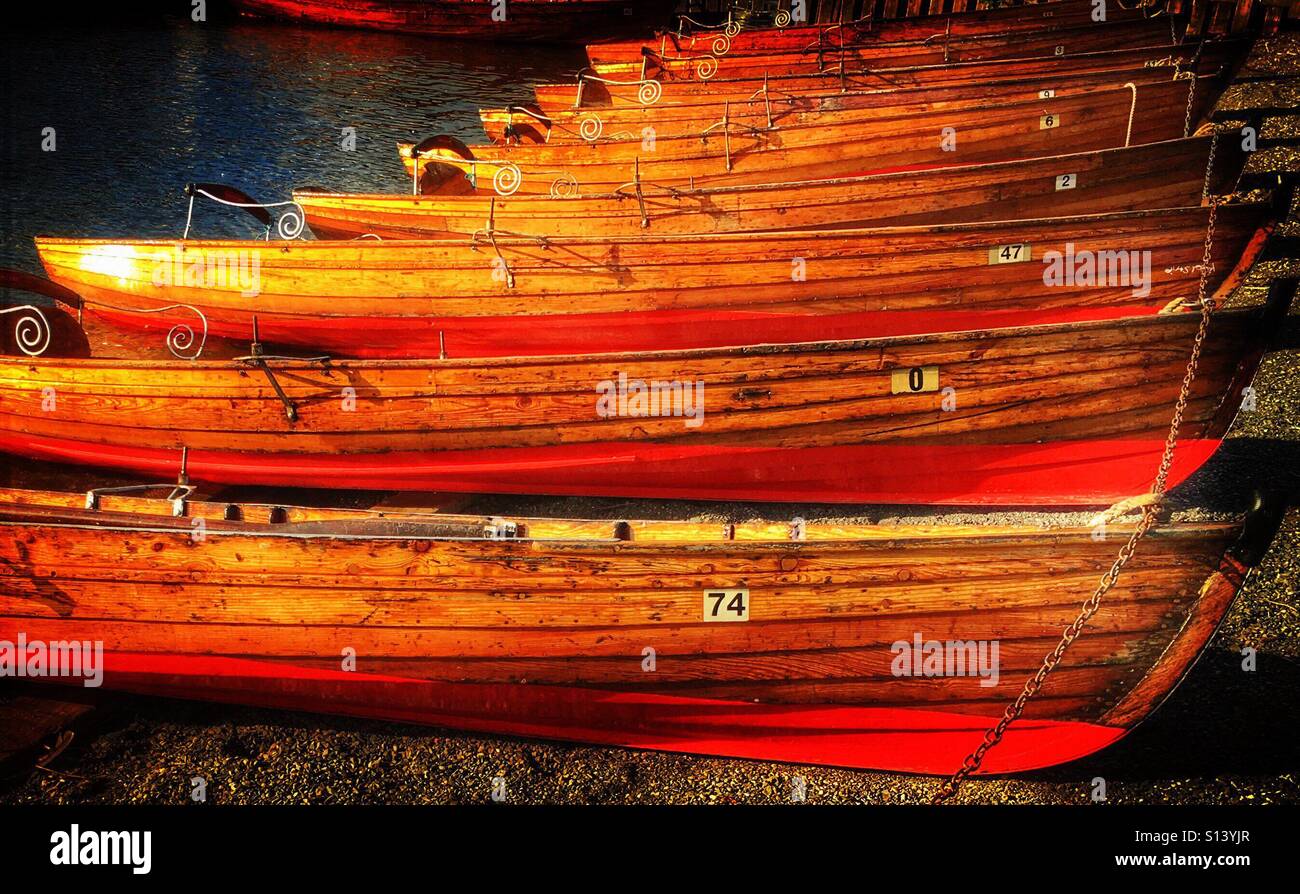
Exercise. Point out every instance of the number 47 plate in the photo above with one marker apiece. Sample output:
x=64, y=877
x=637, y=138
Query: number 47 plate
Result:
x=726, y=605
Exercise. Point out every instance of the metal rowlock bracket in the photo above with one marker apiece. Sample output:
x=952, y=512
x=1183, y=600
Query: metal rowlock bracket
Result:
x=178, y=494
x=258, y=358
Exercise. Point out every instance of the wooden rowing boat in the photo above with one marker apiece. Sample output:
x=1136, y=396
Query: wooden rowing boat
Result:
x=569, y=21
x=738, y=41
x=502, y=296
x=742, y=640
x=590, y=92
x=1081, y=39
x=839, y=143
x=1064, y=414
x=1167, y=174
x=518, y=124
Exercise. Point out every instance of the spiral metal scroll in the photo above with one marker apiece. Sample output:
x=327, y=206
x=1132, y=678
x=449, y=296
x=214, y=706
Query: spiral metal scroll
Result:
x=591, y=128
x=564, y=185
x=291, y=223
x=649, y=92
x=181, y=338
x=732, y=29
x=507, y=179
x=721, y=44
x=782, y=18
x=706, y=68
x=32, y=332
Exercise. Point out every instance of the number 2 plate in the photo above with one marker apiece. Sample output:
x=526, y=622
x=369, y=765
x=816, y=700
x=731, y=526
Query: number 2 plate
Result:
x=726, y=605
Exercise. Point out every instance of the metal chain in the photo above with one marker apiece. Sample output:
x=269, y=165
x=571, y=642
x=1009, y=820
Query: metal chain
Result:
x=1149, y=515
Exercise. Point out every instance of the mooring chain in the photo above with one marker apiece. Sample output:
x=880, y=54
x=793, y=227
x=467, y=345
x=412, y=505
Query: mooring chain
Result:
x=1150, y=513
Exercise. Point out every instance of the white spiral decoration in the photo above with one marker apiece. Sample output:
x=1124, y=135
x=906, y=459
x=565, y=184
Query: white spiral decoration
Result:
x=782, y=18
x=180, y=341
x=507, y=179
x=706, y=68
x=732, y=29
x=32, y=333
x=650, y=92
x=291, y=223
x=564, y=185
x=591, y=128
x=721, y=44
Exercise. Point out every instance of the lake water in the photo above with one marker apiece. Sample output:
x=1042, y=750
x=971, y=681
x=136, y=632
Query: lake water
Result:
x=142, y=108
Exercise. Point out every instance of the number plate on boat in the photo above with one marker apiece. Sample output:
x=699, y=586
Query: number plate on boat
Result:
x=1013, y=253
x=1046, y=94
x=726, y=605
x=1067, y=181
x=1047, y=122
x=914, y=380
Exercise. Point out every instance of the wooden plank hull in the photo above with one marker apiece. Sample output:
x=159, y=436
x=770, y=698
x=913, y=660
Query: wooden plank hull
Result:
x=587, y=93
x=1043, y=412
x=460, y=298
x=599, y=126
x=547, y=633
x=831, y=144
x=752, y=41
x=1082, y=39
x=525, y=20
x=1155, y=175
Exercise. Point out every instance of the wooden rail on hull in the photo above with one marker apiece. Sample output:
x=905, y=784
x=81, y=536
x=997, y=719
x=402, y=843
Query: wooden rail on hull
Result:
x=544, y=631
x=763, y=110
x=847, y=143
x=1065, y=414
x=750, y=41
x=502, y=296
x=866, y=57
x=588, y=93
x=1167, y=174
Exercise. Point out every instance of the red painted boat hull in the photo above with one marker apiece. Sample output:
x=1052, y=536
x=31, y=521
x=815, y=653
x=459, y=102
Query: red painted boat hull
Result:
x=524, y=20
x=1063, y=473
x=540, y=335
x=900, y=740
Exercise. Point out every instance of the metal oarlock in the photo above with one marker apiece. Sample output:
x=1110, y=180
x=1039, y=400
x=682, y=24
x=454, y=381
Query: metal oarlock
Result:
x=178, y=494
x=258, y=358
x=288, y=226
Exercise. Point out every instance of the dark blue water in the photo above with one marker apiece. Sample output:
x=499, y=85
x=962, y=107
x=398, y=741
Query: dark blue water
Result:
x=141, y=109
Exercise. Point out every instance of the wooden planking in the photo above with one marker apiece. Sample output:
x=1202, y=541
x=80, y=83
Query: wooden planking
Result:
x=780, y=107
x=930, y=19
x=1028, y=43
x=1037, y=384
x=1159, y=175
x=1055, y=406
x=842, y=144
x=821, y=637
x=563, y=99
x=842, y=271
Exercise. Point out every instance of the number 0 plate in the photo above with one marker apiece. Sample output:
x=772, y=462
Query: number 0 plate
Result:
x=726, y=605
x=914, y=380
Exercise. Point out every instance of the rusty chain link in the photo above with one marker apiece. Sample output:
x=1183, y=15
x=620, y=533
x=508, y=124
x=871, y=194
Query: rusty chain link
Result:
x=1150, y=512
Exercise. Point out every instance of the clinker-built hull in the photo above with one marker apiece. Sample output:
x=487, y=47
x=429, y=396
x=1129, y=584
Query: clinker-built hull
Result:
x=738, y=640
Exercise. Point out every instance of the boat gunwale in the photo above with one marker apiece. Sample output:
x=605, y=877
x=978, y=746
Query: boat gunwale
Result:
x=689, y=192
x=959, y=66
x=372, y=246
x=52, y=515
